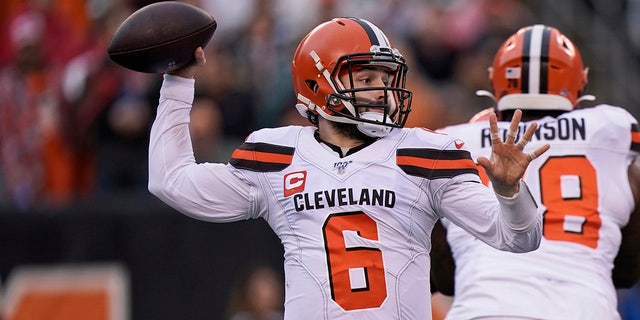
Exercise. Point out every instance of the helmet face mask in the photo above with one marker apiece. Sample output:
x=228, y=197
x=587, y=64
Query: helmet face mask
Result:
x=345, y=46
x=538, y=68
x=346, y=102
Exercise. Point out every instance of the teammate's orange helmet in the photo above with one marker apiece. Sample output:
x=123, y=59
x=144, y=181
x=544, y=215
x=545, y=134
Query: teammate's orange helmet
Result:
x=336, y=48
x=538, y=68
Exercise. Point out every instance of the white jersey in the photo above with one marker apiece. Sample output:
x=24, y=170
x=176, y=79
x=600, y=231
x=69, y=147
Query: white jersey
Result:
x=355, y=230
x=582, y=188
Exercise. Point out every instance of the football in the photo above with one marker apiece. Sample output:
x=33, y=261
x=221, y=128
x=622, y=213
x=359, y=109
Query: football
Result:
x=161, y=37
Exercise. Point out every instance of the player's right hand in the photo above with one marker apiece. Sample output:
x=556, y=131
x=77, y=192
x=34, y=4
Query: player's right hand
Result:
x=189, y=71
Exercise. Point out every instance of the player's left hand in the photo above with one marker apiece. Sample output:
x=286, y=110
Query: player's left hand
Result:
x=508, y=162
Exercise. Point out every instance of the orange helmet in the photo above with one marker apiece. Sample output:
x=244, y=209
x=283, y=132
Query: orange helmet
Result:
x=335, y=48
x=538, y=68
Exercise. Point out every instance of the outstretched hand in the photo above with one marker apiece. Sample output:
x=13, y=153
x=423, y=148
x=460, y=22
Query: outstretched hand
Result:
x=189, y=71
x=508, y=162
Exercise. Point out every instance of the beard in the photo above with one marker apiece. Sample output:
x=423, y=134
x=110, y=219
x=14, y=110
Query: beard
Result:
x=351, y=131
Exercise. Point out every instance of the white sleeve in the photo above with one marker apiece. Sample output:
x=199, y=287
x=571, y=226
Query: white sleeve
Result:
x=207, y=191
x=511, y=224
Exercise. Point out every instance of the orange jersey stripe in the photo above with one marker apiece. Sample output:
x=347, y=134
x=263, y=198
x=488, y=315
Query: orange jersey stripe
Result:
x=635, y=137
x=436, y=164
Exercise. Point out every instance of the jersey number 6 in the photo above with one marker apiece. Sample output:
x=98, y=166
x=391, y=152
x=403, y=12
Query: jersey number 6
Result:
x=356, y=274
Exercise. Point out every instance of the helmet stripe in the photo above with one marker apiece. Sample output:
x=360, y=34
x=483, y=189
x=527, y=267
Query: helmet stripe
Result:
x=526, y=44
x=535, y=57
x=544, y=60
x=376, y=36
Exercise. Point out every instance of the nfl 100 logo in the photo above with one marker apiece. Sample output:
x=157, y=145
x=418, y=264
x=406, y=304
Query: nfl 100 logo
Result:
x=341, y=166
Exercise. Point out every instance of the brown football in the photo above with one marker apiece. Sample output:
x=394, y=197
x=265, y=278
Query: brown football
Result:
x=161, y=37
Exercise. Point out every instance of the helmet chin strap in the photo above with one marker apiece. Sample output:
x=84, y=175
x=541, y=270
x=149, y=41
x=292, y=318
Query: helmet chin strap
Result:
x=371, y=129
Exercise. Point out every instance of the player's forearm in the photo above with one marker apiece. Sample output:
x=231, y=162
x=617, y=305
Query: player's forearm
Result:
x=520, y=210
x=511, y=224
x=521, y=216
x=169, y=144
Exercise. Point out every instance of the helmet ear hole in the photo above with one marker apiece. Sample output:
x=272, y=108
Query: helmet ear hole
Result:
x=566, y=45
x=312, y=85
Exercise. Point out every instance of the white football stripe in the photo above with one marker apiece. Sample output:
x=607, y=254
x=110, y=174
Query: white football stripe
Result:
x=535, y=53
x=380, y=36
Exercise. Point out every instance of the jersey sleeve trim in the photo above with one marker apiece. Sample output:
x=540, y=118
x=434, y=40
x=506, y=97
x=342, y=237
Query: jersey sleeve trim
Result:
x=262, y=157
x=435, y=164
x=635, y=137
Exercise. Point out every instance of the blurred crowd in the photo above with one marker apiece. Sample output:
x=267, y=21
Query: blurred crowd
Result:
x=257, y=294
x=74, y=126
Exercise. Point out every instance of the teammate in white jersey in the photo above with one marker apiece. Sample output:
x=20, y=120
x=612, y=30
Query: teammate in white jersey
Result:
x=587, y=187
x=354, y=197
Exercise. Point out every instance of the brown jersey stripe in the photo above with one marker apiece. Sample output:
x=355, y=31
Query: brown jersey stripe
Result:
x=436, y=174
x=267, y=147
x=262, y=157
x=434, y=154
x=433, y=164
x=635, y=137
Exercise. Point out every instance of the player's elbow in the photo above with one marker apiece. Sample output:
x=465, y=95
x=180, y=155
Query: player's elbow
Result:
x=165, y=193
x=158, y=188
x=154, y=188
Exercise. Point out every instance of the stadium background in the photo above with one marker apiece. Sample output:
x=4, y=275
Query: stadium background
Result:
x=169, y=266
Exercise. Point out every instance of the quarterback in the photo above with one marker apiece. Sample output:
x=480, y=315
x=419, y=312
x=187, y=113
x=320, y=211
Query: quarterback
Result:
x=354, y=196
